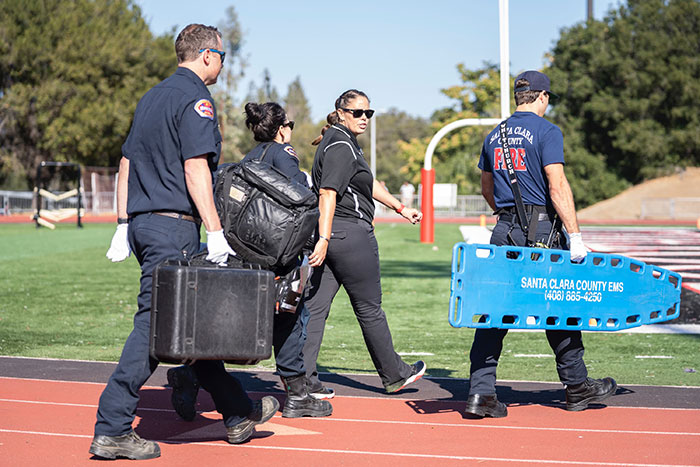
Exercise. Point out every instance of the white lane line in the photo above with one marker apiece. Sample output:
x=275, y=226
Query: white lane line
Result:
x=653, y=356
x=431, y=424
x=373, y=453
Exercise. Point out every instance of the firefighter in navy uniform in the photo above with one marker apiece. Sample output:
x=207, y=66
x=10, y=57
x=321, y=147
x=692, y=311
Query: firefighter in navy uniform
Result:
x=272, y=128
x=537, y=153
x=346, y=251
x=164, y=190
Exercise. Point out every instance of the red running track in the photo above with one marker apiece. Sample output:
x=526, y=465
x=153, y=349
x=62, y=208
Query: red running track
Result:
x=46, y=422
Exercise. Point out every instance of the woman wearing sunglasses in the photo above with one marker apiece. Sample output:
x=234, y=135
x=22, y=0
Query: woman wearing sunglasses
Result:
x=273, y=130
x=271, y=127
x=346, y=251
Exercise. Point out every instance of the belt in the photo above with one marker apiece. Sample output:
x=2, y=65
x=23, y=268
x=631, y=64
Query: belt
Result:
x=177, y=215
x=542, y=216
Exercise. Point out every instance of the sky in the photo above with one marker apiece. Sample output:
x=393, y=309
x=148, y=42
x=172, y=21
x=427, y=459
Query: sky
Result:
x=401, y=53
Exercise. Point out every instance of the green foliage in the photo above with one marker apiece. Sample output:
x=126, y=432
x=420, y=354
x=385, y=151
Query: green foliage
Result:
x=629, y=87
x=393, y=127
x=230, y=113
x=71, y=74
x=457, y=154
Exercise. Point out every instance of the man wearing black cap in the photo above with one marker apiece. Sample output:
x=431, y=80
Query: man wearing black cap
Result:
x=536, y=147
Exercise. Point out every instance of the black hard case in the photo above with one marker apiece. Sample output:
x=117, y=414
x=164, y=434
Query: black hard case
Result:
x=205, y=312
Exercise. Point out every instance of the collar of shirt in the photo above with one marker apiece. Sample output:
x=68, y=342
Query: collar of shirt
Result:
x=189, y=74
x=343, y=129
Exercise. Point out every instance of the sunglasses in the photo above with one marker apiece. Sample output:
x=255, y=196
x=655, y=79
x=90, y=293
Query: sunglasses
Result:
x=357, y=113
x=290, y=124
x=221, y=54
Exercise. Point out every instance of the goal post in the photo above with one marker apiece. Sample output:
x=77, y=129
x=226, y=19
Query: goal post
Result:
x=42, y=190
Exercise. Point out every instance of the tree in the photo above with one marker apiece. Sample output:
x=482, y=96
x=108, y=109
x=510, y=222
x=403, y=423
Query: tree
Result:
x=630, y=87
x=305, y=130
x=296, y=103
x=456, y=157
x=393, y=127
x=71, y=74
x=230, y=113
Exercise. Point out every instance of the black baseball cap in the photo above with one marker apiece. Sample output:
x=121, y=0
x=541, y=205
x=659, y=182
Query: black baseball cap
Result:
x=538, y=82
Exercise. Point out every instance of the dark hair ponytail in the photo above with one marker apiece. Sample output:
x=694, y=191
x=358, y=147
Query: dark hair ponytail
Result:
x=264, y=120
x=332, y=119
x=340, y=102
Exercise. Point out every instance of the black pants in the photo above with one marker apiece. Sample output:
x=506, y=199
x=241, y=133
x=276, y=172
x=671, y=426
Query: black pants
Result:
x=353, y=262
x=488, y=342
x=154, y=239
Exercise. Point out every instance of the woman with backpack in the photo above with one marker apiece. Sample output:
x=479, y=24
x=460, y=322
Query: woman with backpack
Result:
x=346, y=251
x=273, y=130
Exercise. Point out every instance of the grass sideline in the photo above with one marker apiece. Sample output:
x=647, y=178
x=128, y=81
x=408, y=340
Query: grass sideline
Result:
x=61, y=298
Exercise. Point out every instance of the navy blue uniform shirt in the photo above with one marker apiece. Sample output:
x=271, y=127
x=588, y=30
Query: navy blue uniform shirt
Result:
x=340, y=165
x=534, y=143
x=174, y=121
x=282, y=157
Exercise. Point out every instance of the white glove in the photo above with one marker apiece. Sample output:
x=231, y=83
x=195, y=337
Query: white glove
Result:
x=218, y=247
x=119, y=249
x=576, y=247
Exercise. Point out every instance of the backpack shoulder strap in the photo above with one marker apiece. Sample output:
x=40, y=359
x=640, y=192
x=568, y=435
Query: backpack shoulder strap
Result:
x=265, y=149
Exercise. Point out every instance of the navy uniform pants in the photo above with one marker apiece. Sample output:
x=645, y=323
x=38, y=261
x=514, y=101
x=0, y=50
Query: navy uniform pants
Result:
x=353, y=262
x=154, y=239
x=488, y=342
x=288, y=337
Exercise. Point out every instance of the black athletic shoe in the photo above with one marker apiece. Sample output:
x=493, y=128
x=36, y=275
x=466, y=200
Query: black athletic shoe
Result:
x=185, y=387
x=418, y=371
x=130, y=445
x=592, y=390
x=263, y=410
x=322, y=392
x=485, y=405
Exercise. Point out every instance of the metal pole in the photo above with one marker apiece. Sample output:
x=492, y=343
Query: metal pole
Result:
x=428, y=173
x=505, y=58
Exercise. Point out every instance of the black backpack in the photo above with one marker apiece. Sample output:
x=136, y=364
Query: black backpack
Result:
x=267, y=217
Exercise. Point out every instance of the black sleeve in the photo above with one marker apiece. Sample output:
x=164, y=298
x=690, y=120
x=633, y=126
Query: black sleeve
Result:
x=339, y=166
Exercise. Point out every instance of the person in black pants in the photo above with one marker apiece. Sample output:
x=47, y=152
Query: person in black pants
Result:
x=537, y=153
x=346, y=252
x=272, y=128
x=164, y=193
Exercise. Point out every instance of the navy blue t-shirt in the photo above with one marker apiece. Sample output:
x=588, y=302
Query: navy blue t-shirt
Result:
x=340, y=165
x=174, y=121
x=534, y=143
x=282, y=157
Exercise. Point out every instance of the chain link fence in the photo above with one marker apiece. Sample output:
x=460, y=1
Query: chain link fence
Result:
x=670, y=208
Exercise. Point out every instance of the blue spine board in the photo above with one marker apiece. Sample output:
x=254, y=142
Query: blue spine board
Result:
x=534, y=288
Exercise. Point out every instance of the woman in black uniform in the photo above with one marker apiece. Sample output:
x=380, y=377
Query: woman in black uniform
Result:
x=272, y=128
x=346, y=252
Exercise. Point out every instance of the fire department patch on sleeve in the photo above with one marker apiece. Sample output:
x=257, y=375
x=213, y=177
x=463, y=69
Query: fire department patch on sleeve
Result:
x=290, y=151
x=204, y=109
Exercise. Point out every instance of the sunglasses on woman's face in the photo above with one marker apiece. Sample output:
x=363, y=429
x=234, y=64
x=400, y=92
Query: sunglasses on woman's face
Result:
x=357, y=113
x=290, y=124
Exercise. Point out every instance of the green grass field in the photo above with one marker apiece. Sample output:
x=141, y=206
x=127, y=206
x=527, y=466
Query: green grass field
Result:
x=61, y=298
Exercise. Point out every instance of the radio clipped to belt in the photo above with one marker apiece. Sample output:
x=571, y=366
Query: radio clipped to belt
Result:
x=529, y=227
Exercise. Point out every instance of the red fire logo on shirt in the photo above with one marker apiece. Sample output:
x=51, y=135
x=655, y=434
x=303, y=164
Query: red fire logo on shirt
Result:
x=516, y=154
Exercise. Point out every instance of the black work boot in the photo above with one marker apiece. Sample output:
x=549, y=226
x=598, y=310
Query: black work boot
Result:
x=300, y=403
x=130, y=445
x=485, y=405
x=263, y=410
x=185, y=387
x=578, y=396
